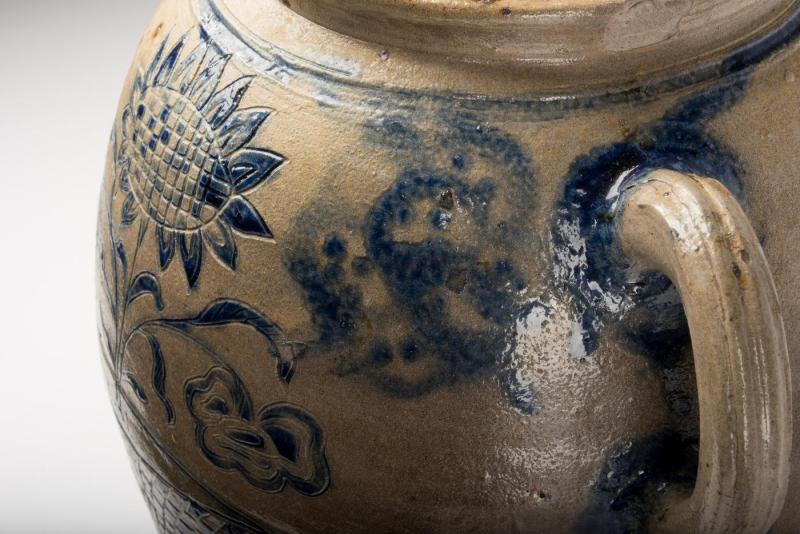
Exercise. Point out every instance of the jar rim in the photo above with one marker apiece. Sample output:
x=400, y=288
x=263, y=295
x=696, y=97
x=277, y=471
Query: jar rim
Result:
x=646, y=35
x=481, y=8
x=368, y=50
x=491, y=29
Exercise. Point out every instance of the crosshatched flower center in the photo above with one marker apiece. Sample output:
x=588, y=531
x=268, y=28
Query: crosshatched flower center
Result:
x=177, y=173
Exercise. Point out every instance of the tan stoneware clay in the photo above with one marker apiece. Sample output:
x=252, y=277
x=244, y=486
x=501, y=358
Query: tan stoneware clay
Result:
x=397, y=266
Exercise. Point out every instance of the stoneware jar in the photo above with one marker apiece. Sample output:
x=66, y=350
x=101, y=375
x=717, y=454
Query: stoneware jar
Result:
x=458, y=265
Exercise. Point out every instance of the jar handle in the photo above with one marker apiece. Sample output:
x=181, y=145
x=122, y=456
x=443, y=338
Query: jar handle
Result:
x=693, y=230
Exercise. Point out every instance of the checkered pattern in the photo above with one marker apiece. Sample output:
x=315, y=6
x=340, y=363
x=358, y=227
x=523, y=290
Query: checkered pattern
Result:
x=177, y=175
x=175, y=513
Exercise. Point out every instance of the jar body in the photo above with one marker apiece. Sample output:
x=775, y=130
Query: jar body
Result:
x=333, y=306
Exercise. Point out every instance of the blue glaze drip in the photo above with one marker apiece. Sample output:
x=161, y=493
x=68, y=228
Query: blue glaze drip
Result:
x=634, y=481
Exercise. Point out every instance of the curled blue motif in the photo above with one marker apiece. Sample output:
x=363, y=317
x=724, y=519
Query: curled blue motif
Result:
x=589, y=264
x=281, y=445
x=421, y=260
x=184, y=161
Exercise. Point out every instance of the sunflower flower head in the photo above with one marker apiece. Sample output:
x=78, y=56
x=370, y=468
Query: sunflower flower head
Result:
x=184, y=161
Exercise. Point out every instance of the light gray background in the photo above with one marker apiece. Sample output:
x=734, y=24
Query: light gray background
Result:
x=63, y=466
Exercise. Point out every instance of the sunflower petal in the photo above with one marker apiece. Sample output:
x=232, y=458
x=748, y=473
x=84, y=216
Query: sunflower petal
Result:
x=192, y=255
x=125, y=122
x=120, y=151
x=183, y=75
x=205, y=83
x=239, y=128
x=130, y=210
x=166, y=245
x=156, y=61
x=222, y=104
x=139, y=86
x=243, y=217
x=168, y=65
x=221, y=240
x=125, y=176
x=251, y=167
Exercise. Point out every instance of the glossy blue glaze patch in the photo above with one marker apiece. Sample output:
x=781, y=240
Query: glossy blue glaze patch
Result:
x=635, y=479
x=589, y=263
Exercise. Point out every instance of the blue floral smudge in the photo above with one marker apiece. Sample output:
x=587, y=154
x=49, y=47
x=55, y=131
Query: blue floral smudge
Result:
x=422, y=275
x=431, y=280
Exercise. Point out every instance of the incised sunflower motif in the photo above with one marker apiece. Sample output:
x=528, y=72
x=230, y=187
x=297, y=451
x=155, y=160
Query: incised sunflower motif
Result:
x=184, y=162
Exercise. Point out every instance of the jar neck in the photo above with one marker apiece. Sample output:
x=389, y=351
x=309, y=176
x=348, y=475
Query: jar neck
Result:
x=557, y=57
x=633, y=36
